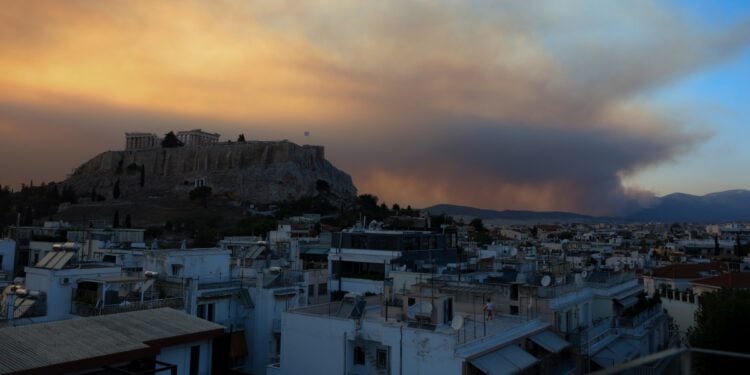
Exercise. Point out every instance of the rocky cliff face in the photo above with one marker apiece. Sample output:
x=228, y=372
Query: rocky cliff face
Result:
x=258, y=172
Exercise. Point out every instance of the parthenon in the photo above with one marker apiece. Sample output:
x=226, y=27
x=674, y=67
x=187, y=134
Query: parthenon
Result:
x=140, y=141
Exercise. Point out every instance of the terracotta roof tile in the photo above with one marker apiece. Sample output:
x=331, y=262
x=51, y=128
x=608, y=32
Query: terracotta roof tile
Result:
x=727, y=280
x=685, y=271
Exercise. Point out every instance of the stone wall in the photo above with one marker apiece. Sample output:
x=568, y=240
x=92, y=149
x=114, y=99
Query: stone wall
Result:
x=259, y=172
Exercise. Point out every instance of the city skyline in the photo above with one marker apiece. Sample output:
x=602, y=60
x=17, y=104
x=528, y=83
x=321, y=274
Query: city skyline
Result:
x=575, y=106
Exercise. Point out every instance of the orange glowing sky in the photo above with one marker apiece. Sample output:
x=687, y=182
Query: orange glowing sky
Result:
x=509, y=105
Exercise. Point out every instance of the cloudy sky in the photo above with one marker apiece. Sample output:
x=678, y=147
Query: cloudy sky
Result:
x=586, y=106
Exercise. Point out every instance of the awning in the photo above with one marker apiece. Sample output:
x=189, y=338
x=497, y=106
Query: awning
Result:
x=509, y=360
x=619, y=351
x=627, y=301
x=218, y=294
x=316, y=251
x=286, y=292
x=550, y=341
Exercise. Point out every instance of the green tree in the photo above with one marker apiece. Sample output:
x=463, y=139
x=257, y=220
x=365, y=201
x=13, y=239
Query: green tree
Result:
x=128, y=223
x=116, y=220
x=241, y=138
x=368, y=201
x=478, y=225
x=170, y=141
x=721, y=324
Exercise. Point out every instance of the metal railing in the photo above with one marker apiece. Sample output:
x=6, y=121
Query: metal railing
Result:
x=640, y=318
x=672, y=361
x=86, y=309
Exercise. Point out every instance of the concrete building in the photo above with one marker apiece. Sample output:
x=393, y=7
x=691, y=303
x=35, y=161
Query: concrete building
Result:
x=427, y=334
x=360, y=260
x=7, y=261
x=141, y=141
x=197, y=137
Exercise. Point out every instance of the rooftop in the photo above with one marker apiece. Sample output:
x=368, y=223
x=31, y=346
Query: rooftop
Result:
x=686, y=271
x=739, y=280
x=89, y=343
x=475, y=327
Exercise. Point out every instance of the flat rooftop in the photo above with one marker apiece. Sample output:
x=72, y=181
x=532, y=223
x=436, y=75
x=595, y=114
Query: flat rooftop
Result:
x=90, y=343
x=475, y=325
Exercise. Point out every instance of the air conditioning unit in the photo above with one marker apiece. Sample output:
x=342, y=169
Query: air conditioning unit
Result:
x=64, y=280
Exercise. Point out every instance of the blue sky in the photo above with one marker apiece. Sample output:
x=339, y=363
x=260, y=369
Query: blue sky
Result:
x=716, y=100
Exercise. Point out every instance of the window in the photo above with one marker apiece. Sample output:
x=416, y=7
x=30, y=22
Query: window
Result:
x=195, y=360
x=177, y=270
x=206, y=311
x=359, y=355
x=311, y=290
x=322, y=289
x=382, y=359
x=514, y=310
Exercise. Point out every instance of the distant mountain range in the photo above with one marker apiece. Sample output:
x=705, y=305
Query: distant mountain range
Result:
x=732, y=205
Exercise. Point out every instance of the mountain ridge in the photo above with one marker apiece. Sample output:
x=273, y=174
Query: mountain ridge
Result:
x=722, y=206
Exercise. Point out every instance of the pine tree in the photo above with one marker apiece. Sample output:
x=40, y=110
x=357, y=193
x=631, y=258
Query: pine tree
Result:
x=170, y=140
x=241, y=138
x=116, y=220
x=127, y=221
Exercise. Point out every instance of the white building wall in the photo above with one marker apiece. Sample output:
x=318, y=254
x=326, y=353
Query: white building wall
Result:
x=268, y=312
x=8, y=254
x=360, y=286
x=209, y=265
x=59, y=292
x=314, y=345
x=180, y=356
x=682, y=312
x=323, y=345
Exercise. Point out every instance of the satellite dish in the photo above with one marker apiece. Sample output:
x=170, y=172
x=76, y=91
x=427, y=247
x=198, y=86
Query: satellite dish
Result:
x=559, y=280
x=546, y=280
x=584, y=274
x=458, y=322
x=422, y=308
x=513, y=252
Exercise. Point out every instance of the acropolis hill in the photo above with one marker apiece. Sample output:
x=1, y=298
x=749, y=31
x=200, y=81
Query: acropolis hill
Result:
x=253, y=171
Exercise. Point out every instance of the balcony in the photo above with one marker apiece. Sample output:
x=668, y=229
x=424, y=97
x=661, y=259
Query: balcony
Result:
x=558, y=290
x=640, y=318
x=590, y=338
